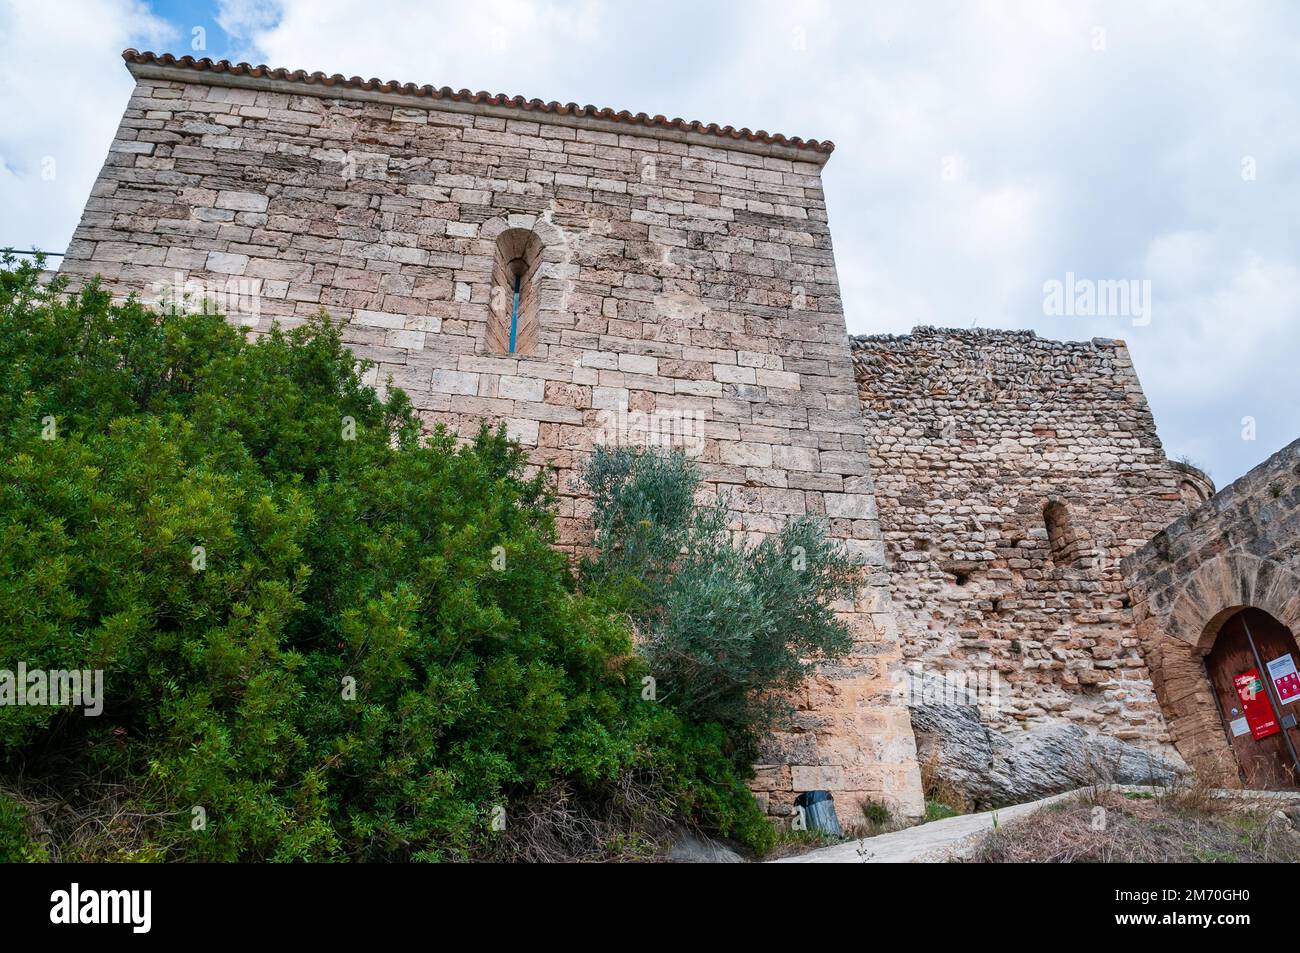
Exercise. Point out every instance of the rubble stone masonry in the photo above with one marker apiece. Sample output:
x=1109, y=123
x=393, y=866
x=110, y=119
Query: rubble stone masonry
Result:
x=673, y=282
x=1012, y=474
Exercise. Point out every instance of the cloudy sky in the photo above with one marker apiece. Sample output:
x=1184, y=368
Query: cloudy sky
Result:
x=984, y=150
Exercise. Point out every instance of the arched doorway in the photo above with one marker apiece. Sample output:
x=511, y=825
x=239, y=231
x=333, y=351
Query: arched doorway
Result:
x=1254, y=667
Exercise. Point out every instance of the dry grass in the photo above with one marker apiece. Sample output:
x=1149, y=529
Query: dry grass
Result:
x=87, y=819
x=558, y=827
x=92, y=821
x=1176, y=825
x=942, y=798
x=793, y=843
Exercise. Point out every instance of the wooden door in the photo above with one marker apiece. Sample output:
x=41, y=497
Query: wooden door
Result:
x=1266, y=762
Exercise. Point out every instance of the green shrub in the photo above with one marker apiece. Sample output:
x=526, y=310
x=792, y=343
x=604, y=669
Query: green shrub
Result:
x=875, y=813
x=727, y=628
x=940, y=810
x=16, y=844
x=337, y=638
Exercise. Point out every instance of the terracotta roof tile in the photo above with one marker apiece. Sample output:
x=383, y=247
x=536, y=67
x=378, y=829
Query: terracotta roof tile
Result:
x=207, y=65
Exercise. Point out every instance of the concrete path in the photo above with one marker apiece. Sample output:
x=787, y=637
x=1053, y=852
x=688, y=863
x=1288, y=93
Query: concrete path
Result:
x=951, y=838
x=926, y=843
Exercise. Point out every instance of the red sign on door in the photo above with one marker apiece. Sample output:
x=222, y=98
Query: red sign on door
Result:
x=1254, y=700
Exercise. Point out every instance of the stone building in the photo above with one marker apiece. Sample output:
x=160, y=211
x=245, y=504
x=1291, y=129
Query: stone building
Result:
x=1227, y=573
x=579, y=273
x=1193, y=485
x=1012, y=474
x=586, y=276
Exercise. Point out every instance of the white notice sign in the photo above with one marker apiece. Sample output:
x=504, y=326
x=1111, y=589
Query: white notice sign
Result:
x=1285, y=678
x=1240, y=727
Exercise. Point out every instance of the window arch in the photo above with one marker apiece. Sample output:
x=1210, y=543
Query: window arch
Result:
x=1193, y=495
x=512, y=320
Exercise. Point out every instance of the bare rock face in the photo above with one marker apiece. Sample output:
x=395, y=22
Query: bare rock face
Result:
x=693, y=848
x=992, y=769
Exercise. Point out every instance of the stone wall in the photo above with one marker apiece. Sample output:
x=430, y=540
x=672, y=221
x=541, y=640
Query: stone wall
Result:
x=979, y=440
x=1240, y=549
x=684, y=285
x=1194, y=484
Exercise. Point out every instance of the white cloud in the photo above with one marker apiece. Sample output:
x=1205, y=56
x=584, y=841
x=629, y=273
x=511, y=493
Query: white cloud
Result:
x=246, y=20
x=1226, y=348
x=1101, y=138
x=62, y=91
x=484, y=45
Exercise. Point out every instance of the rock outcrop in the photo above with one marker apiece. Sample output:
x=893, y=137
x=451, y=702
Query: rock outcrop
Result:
x=694, y=848
x=991, y=768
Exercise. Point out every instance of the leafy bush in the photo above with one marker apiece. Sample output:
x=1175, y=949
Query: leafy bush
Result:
x=876, y=813
x=727, y=628
x=16, y=844
x=337, y=638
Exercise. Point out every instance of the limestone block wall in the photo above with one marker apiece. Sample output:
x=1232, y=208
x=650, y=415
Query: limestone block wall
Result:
x=1239, y=549
x=682, y=286
x=1012, y=474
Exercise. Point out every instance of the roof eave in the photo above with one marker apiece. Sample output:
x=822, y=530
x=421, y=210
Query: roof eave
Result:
x=243, y=76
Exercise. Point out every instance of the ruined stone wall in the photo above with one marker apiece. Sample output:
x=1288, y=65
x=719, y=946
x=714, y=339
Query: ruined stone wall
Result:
x=1194, y=484
x=979, y=439
x=680, y=283
x=1239, y=549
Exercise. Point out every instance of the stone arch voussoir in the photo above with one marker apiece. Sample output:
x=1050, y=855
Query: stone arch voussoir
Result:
x=552, y=236
x=1226, y=584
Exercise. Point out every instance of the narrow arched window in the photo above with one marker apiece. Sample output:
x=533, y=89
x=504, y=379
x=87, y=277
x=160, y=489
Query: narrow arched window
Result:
x=512, y=321
x=1064, y=542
